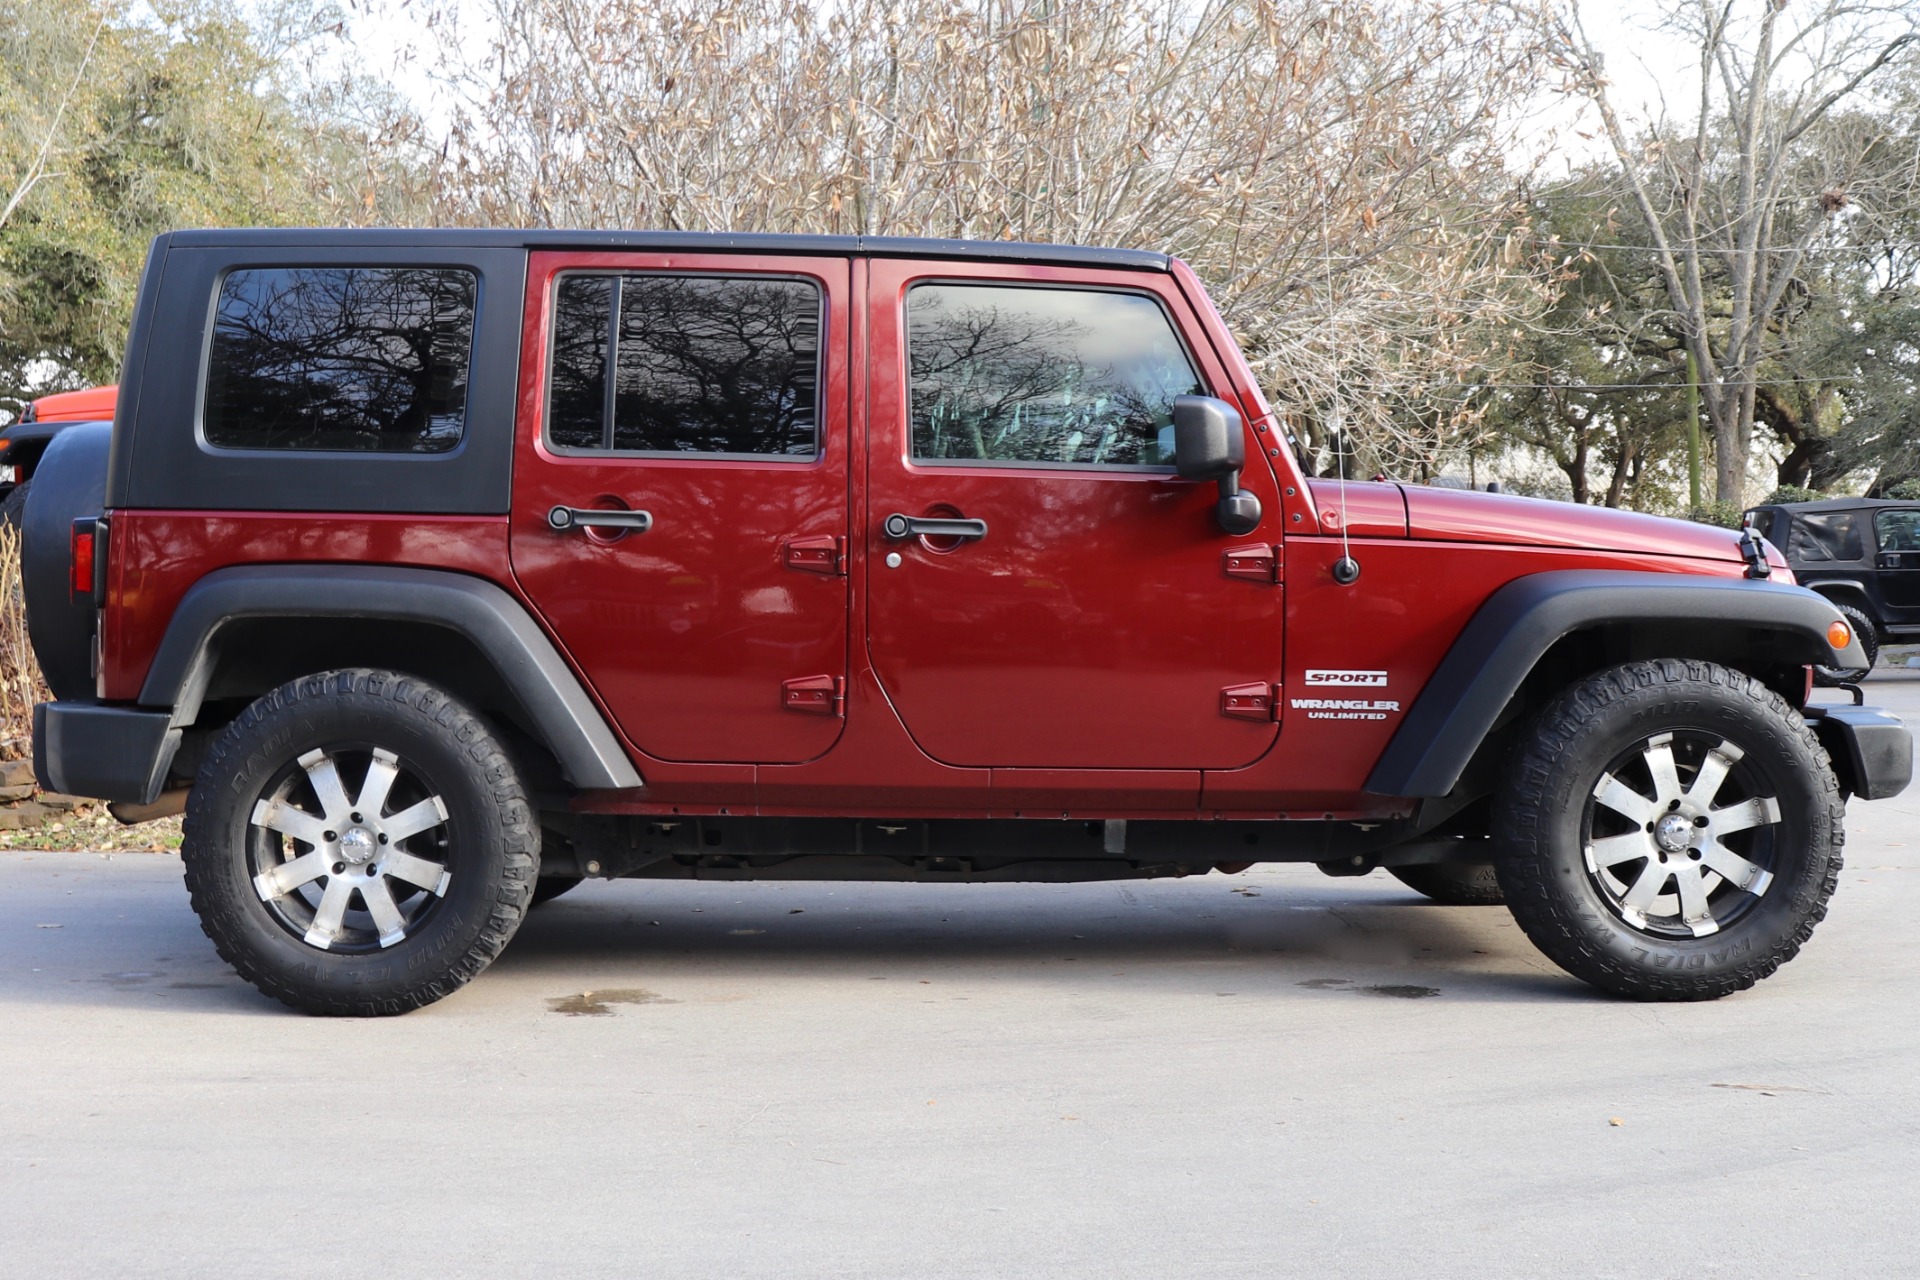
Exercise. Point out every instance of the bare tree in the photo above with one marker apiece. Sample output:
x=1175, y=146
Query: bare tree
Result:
x=1337, y=171
x=1737, y=192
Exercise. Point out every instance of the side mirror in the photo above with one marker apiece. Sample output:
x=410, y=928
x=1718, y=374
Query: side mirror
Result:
x=1210, y=444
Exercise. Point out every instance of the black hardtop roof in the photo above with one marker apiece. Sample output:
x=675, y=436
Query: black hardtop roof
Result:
x=255, y=238
x=1834, y=504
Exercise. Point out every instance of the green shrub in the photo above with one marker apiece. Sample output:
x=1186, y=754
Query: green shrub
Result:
x=1906, y=491
x=1727, y=515
x=1794, y=493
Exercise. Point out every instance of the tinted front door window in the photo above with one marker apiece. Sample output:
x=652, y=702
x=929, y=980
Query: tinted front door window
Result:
x=1077, y=377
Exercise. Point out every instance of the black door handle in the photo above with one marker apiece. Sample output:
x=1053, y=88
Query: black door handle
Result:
x=900, y=527
x=561, y=519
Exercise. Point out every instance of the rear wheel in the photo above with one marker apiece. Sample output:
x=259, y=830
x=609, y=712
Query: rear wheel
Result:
x=1869, y=641
x=1453, y=884
x=1671, y=831
x=358, y=842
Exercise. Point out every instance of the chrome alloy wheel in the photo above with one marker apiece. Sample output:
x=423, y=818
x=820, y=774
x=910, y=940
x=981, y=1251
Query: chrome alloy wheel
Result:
x=1681, y=834
x=353, y=873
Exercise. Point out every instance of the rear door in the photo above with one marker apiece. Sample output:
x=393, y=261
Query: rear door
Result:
x=1090, y=616
x=714, y=626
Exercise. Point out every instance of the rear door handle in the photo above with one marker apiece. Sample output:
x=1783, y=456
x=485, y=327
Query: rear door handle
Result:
x=900, y=527
x=562, y=519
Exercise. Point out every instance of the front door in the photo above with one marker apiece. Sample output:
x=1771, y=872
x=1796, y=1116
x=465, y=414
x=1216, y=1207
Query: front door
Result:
x=1897, y=543
x=1080, y=613
x=680, y=494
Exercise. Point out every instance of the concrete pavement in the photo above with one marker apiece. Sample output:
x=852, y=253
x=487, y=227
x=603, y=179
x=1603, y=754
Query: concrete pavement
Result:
x=1267, y=1074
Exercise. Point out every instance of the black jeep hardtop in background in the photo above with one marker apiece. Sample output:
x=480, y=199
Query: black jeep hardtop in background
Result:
x=1861, y=553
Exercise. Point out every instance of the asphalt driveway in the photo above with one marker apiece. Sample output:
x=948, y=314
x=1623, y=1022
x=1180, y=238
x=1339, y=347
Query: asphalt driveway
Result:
x=1267, y=1074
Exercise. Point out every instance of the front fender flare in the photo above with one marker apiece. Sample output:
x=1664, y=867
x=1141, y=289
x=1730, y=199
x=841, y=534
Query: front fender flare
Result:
x=1503, y=641
x=589, y=754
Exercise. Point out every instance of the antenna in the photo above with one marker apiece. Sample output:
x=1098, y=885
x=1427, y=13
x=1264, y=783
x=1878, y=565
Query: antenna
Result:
x=1346, y=570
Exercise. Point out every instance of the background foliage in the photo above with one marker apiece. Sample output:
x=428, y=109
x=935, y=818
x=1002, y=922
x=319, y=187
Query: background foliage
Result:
x=1361, y=183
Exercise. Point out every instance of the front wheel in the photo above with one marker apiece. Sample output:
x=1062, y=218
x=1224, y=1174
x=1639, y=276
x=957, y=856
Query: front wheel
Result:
x=1671, y=831
x=358, y=842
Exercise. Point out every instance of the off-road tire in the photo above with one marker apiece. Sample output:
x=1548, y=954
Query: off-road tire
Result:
x=13, y=507
x=491, y=843
x=1869, y=641
x=547, y=888
x=1453, y=884
x=1542, y=858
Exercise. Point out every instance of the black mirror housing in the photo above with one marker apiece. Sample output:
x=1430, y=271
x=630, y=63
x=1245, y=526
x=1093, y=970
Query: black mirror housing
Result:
x=1209, y=443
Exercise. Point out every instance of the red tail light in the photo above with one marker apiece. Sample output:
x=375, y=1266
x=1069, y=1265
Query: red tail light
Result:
x=82, y=559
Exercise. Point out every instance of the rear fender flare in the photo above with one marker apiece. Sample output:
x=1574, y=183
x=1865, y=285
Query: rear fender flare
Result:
x=560, y=711
x=1506, y=638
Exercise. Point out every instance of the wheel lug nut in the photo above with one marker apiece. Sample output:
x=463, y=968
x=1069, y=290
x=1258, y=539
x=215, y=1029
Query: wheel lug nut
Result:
x=356, y=817
x=383, y=837
x=339, y=868
x=335, y=835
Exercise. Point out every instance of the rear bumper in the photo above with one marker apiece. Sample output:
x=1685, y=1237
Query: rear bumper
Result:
x=1872, y=750
x=104, y=753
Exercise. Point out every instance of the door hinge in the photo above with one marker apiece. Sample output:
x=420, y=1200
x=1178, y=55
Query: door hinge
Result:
x=1251, y=701
x=815, y=695
x=1257, y=563
x=825, y=554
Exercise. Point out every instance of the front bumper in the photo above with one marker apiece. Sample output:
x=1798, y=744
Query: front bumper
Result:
x=104, y=753
x=1872, y=750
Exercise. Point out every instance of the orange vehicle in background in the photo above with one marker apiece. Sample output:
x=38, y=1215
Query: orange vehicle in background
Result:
x=22, y=442
x=94, y=404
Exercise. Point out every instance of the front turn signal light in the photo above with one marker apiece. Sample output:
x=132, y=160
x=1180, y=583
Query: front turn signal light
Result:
x=1839, y=634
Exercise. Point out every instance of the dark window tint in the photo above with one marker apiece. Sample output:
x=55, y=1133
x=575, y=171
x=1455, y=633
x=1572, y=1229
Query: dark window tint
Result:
x=577, y=405
x=1831, y=535
x=1898, y=530
x=703, y=364
x=340, y=358
x=1043, y=375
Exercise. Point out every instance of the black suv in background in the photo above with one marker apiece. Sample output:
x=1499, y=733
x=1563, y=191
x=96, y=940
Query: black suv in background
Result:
x=1861, y=553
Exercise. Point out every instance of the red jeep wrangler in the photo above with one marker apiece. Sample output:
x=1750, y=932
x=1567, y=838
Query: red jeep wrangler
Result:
x=436, y=571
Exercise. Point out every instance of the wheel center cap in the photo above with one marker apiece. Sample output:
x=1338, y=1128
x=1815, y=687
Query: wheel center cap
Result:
x=1673, y=832
x=357, y=845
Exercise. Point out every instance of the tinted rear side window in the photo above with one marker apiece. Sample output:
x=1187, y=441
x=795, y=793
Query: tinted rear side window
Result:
x=1024, y=375
x=1833, y=535
x=340, y=358
x=702, y=364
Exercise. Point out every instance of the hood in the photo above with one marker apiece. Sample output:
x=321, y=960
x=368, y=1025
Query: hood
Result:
x=95, y=404
x=1465, y=515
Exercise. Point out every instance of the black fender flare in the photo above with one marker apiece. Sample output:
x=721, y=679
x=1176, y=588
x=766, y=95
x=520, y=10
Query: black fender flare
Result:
x=565, y=717
x=1499, y=646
